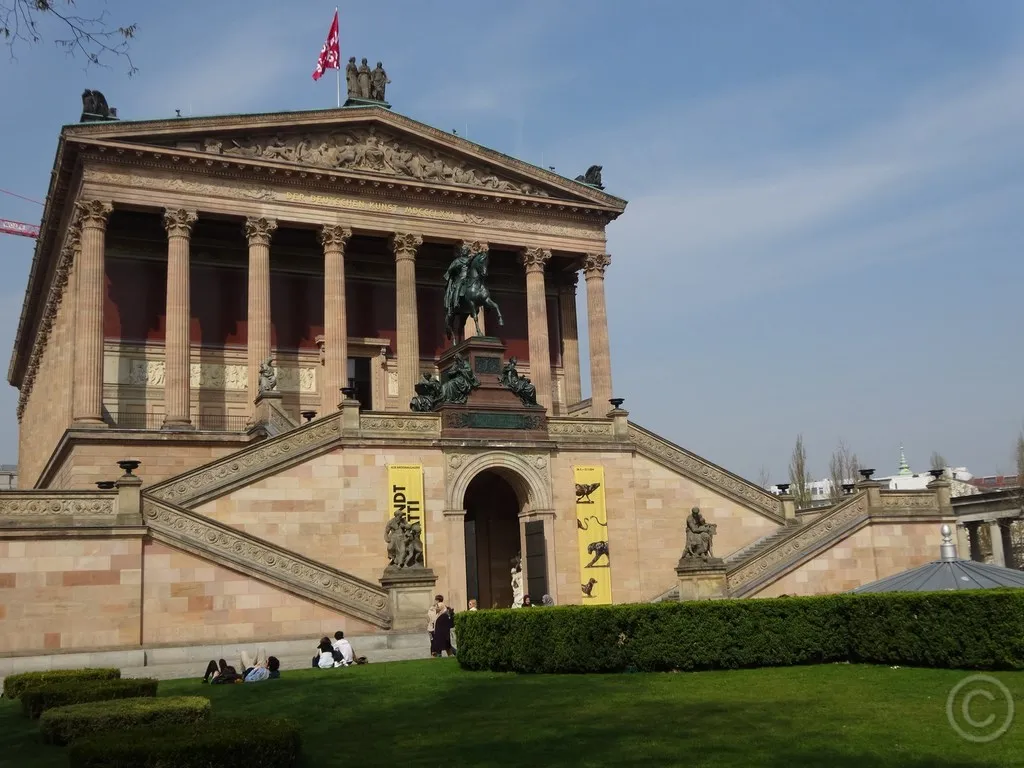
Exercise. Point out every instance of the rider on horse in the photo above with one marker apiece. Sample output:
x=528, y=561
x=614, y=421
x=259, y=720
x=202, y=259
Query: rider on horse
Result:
x=465, y=293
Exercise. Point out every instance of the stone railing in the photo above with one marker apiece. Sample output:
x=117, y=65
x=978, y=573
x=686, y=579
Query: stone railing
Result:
x=805, y=541
x=908, y=501
x=267, y=562
x=571, y=427
x=689, y=464
x=374, y=424
x=29, y=509
x=217, y=478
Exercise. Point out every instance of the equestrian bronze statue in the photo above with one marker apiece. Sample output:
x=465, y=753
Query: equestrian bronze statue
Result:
x=465, y=293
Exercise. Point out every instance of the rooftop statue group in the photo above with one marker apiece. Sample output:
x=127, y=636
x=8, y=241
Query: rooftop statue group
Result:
x=364, y=83
x=405, y=544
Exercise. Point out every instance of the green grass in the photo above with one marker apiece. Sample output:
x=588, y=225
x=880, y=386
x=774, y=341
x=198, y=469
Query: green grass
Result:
x=431, y=713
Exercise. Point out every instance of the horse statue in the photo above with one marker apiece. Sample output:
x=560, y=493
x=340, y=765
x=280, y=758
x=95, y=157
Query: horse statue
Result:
x=465, y=293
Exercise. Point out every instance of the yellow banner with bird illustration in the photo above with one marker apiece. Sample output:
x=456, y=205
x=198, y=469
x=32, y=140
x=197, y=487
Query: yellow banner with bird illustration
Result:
x=592, y=536
x=405, y=495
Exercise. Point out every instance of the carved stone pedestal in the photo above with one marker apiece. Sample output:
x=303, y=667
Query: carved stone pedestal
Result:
x=410, y=595
x=270, y=415
x=702, y=579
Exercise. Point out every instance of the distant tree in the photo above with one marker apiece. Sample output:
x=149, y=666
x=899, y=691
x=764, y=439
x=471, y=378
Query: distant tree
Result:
x=1019, y=463
x=799, y=477
x=763, y=478
x=939, y=461
x=842, y=468
x=88, y=35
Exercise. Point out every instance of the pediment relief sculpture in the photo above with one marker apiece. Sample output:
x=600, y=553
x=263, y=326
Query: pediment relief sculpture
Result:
x=366, y=150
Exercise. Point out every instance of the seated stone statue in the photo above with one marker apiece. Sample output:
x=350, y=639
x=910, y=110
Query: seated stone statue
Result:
x=429, y=394
x=520, y=386
x=699, y=536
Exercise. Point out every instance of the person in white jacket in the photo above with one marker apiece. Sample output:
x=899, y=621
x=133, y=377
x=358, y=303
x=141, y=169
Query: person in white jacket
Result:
x=343, y=653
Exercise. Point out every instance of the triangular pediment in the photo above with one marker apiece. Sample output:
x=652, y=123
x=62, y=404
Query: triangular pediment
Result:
x=365, y=141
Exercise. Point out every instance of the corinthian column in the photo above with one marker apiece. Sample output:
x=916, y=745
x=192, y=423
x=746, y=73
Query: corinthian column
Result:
x=258, y=231
x=88, y=408
x=534, y=260
x=570, y=340
x=407, y=321
x=177, y=362
x=475, y=246
x=334, y=238
x=594, y=265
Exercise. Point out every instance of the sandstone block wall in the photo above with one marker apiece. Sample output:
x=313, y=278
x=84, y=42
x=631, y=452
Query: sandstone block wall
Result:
x=191, y=601
x=60, y=594
x=879, y=550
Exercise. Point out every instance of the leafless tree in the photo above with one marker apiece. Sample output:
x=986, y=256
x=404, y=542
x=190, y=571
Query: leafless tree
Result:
x=1018, y=457
x=799, y=477
x=842, y=468
x=939, y=461
x=763, y=478
x=89, y=35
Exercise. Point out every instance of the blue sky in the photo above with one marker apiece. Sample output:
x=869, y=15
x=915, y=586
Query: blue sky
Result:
x=826, y=200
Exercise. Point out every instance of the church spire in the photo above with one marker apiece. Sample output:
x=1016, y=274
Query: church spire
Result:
x=904, y=467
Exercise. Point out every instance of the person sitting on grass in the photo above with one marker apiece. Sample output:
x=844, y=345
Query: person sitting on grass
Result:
x=261, y=668
x=342, y=649
x=324, y=658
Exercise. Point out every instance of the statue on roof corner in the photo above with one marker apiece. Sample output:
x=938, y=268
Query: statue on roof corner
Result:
x=378, y=82
x=465, y=293
x=352, y=78
x=592, y=177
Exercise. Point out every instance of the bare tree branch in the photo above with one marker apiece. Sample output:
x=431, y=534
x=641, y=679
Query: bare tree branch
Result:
x=939, y=461
x=799, y=477
x=842, y=468
x=764, y=478
x=91, y=37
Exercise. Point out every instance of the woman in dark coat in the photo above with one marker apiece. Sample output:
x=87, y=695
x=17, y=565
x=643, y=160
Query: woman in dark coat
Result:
x=441, y=642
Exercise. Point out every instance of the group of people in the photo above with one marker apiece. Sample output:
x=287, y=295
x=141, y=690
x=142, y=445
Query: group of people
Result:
x=440, y=622
x=254, y=670
x=336, y=653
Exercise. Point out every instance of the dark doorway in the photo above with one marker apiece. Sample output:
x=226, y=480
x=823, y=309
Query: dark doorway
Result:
x=492, y=539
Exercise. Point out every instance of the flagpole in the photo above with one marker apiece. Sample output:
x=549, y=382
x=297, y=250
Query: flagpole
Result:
x=338, y=73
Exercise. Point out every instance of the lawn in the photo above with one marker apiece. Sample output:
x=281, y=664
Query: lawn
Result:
x=431, y=713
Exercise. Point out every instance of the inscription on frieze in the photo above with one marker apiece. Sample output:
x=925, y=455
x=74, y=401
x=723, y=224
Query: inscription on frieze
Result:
x=487, y=364
x=492, y=420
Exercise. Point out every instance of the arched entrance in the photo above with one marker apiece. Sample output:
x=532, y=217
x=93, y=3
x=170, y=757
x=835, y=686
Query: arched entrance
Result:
x=492, y=538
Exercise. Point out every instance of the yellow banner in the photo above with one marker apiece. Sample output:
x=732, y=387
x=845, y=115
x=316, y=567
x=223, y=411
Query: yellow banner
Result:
x=405, y=495
x=592, y=530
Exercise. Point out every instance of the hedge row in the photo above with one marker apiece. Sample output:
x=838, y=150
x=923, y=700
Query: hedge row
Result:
x=225, y=743
x=63, y=725
x=35, y=701
x=981, y=629
x=14, y=685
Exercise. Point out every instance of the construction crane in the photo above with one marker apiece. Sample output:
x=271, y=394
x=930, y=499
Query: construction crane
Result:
x=8, y=227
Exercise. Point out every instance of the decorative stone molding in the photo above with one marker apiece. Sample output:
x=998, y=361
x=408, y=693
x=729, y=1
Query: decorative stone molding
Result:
x=68, y=254
x=372, y=151
x=594, y=264
x=475, y=246
x=249, y=464
x=400, y=424
x=258, y=230
x=35, y=504
x=577, y=427
x=529, y=473
x=706, y=473
x=334, y=237
x=228, y=377
x=534, y=259
x=178, y=222
x=268, y=562
x=908, y=499
x=405, y=245
x=805, y=539
x=93, y=213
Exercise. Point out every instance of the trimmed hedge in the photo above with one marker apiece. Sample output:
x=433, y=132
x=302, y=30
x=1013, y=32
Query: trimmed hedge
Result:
x=225, y=743
x=981, y=629
x=15, y=684
x=35, y=701
x=63, y=725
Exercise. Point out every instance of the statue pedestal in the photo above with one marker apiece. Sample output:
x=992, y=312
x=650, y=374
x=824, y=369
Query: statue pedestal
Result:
x=270, y=415
x=701, y=579
x=354, y=101
x=410, y=595
x=492, y=411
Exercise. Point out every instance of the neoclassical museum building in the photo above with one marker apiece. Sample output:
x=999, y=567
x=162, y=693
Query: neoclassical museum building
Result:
x=225, y=324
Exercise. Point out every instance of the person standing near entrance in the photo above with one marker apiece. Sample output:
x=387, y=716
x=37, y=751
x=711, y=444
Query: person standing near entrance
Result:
x=432, y=613
x=441, y=641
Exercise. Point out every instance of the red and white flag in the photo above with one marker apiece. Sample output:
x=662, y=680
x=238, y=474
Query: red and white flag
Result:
x=330, y=54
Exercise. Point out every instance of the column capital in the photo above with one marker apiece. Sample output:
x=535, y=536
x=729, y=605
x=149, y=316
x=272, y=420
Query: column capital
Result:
x=405, y=245
x=334, y=236
x=534, y=259
x=474, y=246
x=594, y=264
x=259, y=230
x=178, y=221
x=93, y=213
